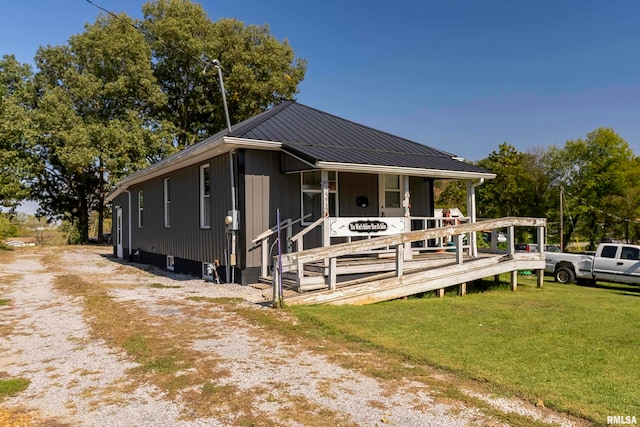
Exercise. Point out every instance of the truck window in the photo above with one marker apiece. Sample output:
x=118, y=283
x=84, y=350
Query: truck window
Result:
x=608, y=251
x=630, y=253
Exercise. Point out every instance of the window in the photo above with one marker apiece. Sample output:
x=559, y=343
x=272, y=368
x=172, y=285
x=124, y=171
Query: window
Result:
x=167, y=202
x=312, y=194
x=170, y=261
x=392, y=196
x=205, y=197
x=609, y=251
x=630, y=253
x=140, y=209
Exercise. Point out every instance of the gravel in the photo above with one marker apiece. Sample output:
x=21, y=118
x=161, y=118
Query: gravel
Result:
x=79, y=380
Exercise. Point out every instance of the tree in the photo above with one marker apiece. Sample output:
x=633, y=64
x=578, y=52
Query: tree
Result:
x=508, y=194
x=93, y=119
x=259, y=70
x=595, y=174
x=14, y=125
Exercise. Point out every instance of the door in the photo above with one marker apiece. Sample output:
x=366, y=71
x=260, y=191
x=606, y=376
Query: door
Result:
x=618, y=264
x=391, y=195
x=119, y=250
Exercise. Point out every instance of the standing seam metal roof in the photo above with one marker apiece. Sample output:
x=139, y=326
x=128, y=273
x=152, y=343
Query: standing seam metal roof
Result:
x=323, y=137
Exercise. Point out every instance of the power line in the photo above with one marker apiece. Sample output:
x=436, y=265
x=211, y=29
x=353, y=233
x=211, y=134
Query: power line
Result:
x=141, y=31
x=635, y=221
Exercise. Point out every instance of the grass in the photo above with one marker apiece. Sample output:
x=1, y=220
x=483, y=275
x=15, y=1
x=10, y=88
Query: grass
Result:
x=573, y=347
x=4, y=301
x=12, y=386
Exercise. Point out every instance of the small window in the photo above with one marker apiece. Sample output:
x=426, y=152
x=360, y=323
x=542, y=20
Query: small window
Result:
x=205, y=197
x=140, y=209
x=167, y=202
x=609, y=251
x=170, y=262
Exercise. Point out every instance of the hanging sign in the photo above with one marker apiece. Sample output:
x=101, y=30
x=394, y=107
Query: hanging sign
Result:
x=349, y=227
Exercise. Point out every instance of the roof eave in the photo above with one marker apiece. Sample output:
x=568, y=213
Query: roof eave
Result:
x=399, y=170
x=190, y=157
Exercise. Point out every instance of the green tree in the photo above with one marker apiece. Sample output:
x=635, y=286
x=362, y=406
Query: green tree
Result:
x=508, y=194
x=93, y=119
x=15, y=100
x=259, y=70
x=595, y=173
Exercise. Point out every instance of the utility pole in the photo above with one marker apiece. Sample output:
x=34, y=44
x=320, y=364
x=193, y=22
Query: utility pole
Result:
x=561, y=220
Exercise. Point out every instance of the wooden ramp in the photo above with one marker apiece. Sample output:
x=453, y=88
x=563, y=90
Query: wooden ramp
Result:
x=318, y=270
x=421, y=280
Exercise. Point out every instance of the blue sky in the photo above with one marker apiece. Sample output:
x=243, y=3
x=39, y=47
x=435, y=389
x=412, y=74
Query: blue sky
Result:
x=461, y=75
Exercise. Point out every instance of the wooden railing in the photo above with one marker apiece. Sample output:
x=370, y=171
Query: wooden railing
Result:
x=296, y=260
x=263, y=238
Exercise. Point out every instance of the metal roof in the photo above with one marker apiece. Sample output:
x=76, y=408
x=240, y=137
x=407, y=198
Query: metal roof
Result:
x=322, y=140
x=317, y=137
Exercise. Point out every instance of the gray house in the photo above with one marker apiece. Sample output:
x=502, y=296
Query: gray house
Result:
x=214, y=199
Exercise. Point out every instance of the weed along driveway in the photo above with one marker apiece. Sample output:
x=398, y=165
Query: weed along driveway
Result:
x=88, y=341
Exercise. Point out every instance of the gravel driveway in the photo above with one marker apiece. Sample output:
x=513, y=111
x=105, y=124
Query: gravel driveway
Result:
x=79, y=379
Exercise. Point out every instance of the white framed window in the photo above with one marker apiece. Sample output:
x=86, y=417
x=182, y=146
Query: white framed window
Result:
x=311, y=185
x=170, y=262
x=167, y=202
x=140, y=209
x=392, y=191
x=205, y=196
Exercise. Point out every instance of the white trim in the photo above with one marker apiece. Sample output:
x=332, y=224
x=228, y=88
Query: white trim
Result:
x=205, y=198
x=211, y=147
x=312, y=165
x=170, y=263
x=252, y=143
x=396, y=170
x=166, y=197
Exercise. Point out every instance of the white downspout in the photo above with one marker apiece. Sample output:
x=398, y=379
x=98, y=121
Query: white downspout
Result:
x=471, y=207
x=234, y=224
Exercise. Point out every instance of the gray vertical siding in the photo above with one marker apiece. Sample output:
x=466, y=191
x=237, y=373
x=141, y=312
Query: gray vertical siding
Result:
x=354, y=185
x=185, y=238
x=265, y=190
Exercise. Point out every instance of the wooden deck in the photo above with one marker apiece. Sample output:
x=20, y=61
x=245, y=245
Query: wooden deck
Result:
x=348, y=273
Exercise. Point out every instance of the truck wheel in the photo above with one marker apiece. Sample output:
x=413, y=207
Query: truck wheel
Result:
x=564, y=275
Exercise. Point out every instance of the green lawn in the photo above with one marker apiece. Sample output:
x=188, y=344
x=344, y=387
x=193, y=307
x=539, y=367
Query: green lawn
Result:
x=575, y=347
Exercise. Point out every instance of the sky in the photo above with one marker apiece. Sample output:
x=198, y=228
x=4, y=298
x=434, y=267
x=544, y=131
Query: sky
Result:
x=462, y=76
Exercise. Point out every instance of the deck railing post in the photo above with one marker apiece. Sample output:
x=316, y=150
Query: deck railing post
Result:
x=289, y=230
x=459, y=249
x=399, y=260
x=333, y=266
x=264, y=257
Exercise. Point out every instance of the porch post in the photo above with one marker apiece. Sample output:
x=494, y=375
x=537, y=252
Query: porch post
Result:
x=406, y=203
x=324, y=179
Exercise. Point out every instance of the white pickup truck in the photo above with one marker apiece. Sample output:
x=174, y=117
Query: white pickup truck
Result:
x=611, y=263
